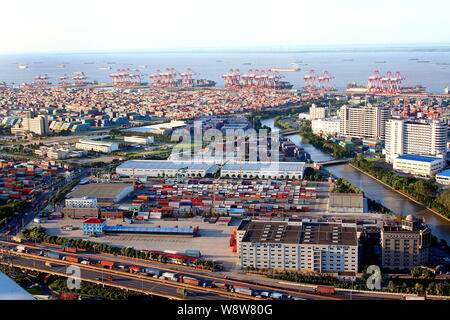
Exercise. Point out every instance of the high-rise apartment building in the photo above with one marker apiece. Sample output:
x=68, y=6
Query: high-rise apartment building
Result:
x=427, y=138
x=37, y=125
x=363, y=122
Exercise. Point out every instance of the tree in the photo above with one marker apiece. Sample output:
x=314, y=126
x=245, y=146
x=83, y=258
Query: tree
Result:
x=425, y=188
x=416, y=272
x=418, y=287
x=444, y=198
x=392, y=286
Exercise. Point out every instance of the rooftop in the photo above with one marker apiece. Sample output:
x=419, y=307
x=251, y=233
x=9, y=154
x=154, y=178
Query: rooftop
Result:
x=274, y=166
x=167, y=164
x=445, y=173
x=154, y=230
x=418, y=158
x=94, y=221
x=99, y=190
x=302, y=233
x=353, y=200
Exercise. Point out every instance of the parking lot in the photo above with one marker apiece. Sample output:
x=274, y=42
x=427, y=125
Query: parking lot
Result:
x=213, y=240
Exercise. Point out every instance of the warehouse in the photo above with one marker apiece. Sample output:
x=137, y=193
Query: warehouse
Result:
x=443, y=177
x=263, y=170
x=165, y=168
x=330, y=247
x=346, y=202
x=96, y=144
x=104, y=192
x=140, y=140
x=418, y=165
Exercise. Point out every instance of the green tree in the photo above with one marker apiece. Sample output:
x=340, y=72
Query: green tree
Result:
x=444, y=198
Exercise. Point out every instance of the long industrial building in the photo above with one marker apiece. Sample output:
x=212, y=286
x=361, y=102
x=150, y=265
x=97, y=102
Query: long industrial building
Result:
x=165, y=168
x=330, y=247
x=263, y=170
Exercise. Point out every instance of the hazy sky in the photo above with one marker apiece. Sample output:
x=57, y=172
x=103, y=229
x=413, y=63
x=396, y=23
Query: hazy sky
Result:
x=59, y=25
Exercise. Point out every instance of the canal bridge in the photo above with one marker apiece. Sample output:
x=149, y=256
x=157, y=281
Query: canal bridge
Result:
x=332, y=162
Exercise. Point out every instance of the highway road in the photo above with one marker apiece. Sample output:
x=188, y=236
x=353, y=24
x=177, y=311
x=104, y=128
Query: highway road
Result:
x=257, y=284
x=124, y=280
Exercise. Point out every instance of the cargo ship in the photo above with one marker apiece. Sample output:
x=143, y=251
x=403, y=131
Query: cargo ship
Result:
x=285, y=69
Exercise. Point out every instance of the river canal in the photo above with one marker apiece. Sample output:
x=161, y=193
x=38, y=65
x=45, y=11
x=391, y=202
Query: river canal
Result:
x=375, y=190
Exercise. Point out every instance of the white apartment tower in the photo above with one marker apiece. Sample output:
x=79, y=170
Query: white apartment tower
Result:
x=427, y=138
x=363, y=122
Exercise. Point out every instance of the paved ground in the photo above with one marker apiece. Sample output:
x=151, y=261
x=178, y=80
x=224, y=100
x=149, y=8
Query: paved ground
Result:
x=213, y=241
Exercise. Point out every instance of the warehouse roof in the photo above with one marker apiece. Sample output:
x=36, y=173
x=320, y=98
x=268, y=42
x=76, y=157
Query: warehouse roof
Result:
x=253, y=166
x=99, y=190
x=94, y=221
x=167, y=165
x=418, y=158
x=347, y=200
x=150, y=230
x=445, y=173
x=304, y=233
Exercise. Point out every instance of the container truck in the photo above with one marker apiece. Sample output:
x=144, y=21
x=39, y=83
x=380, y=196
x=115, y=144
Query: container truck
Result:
x=21, y=249
x=106, y=264
x=243, y=290
x=152, y=272
x=71, y=259
x=190, y=280
x=134, y=269
x=324, y=289
x=193, y=253
x=53, y=255
x=70, y=249
x=169, y=276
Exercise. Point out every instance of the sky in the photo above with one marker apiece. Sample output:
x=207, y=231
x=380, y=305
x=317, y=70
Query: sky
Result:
x=97, y=25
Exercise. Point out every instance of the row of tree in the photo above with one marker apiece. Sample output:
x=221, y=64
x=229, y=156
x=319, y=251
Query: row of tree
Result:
x=38, y=234
x=423, y=190
x=325, y=145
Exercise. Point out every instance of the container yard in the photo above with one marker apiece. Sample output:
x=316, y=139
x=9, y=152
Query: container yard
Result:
x=23, y=180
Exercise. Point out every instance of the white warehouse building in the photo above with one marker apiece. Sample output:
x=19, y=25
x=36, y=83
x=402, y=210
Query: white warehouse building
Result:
x=165, y=168
x=419, y=165
x=140, y=140
x=263, y=170
x=96, y=144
